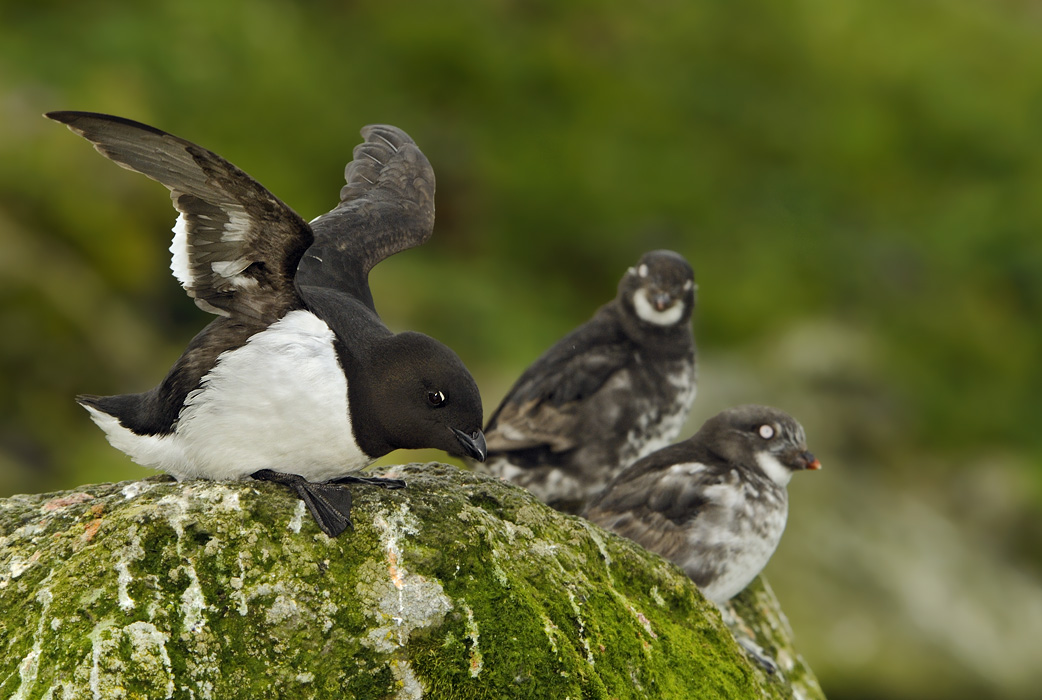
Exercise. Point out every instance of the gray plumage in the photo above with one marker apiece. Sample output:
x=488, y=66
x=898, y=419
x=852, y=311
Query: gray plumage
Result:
x=714, y=504
x=614, y=389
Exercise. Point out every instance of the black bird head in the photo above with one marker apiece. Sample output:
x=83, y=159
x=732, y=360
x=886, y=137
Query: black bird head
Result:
x=659, y=289
x=759, y=437
x=424, y=397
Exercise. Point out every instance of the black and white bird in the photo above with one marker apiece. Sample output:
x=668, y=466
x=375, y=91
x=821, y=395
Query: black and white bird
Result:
x=297, y=380
x=613, y=390
x=714, y=504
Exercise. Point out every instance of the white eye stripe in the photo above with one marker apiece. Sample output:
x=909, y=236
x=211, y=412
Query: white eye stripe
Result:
x=766, y=431
x=642, y=270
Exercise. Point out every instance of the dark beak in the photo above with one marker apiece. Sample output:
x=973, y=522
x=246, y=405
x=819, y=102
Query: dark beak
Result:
x=661, y=302
x=808, y=461
x=473, y=444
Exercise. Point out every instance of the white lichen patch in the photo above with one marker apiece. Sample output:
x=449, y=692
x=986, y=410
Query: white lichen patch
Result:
x=19, y=566
x=29, y=531
x=582, y=626
x=135, y=489
x=327, y=610
x=657, y=597
x=283, y=608
x=147, y=647
x=497, y=570
x=551, y=631
x=123, y=581
x=237, y=584
x=643, y=620
x=29, y=666
x=230, y=501
x=595, y=535
x=409, y=686
x=102, y=647
x=400, y=602
x=133, y=551
x=473, y=635
x=193, y=603
x=297, y=520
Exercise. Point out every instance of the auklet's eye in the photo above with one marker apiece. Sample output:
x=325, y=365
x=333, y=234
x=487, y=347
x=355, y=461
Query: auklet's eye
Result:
x=436, y=398
x=766, y=431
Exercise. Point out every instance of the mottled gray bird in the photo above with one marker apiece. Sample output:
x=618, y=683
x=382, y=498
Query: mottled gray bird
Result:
x=297, y=380
x=613, y=390
x=714, y=504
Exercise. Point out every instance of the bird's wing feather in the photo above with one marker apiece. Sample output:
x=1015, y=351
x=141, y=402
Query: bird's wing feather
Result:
x=236, y=245
x=652, y=531
x=387, y=206
x=654, y=502
x=544, y=407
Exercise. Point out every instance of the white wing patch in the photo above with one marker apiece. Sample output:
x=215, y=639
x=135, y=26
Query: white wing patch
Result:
x=234, y=231
x=179, y=253
x=648, y=313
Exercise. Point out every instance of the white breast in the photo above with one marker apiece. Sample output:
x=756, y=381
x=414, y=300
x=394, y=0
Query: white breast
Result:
x=740, y=539
x=278, y=402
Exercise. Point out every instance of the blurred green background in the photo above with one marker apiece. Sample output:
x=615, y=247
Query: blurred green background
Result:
x=858, y=184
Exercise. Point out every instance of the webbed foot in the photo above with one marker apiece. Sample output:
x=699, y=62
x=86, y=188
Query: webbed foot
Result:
x=328, y=503
x=380, y=481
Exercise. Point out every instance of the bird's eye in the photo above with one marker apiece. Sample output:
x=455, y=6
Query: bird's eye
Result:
x=436, y=398
x=766, y=431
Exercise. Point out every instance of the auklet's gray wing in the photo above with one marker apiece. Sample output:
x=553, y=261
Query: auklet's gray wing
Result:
x=236, y=246
x=387, y=206
x=655, y=498
x=544, y=407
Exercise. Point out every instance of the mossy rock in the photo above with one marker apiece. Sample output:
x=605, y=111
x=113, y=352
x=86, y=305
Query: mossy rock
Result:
x=458, y=586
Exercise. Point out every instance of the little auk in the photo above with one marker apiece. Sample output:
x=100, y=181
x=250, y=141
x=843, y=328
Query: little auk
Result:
x=297, y=380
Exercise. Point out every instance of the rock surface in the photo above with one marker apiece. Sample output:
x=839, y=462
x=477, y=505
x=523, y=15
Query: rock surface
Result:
x=459, y=586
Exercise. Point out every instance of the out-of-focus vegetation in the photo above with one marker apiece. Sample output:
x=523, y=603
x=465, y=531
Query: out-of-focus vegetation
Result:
x=858, y=184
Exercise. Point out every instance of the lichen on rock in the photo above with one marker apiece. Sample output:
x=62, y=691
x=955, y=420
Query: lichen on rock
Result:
x=459, y=586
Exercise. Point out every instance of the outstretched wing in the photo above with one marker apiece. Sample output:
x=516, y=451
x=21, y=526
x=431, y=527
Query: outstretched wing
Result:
x=236, y=246
x=546, y=406
x=387, y=206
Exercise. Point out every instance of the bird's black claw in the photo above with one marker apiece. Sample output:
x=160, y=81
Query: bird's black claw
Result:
x=329, y=504
x=380, y=481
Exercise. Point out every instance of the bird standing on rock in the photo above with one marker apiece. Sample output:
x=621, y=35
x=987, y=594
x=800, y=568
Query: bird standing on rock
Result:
x=297, y=380
x=714, y=504
x=611, y=391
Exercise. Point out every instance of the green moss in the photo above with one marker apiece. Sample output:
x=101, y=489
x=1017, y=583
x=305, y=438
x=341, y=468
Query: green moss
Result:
x=456, y=587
